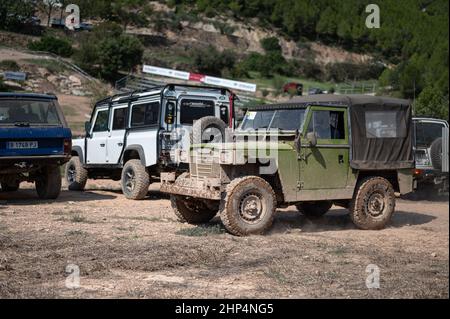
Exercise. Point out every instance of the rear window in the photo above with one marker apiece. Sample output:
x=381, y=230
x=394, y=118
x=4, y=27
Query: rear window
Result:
x=386, y=124
x=29, y=111
x=191, y=110
x=426, y=133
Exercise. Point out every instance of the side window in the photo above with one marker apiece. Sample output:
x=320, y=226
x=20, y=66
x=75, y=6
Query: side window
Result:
x=101, y=123
x=152, y=113
x=145, y=114
x=385, y=124
x=224, y=115
x=119, y=118
x=328, y=125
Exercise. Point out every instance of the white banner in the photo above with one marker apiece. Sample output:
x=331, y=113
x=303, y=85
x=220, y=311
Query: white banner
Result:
x=237, y=85
x=166, y=72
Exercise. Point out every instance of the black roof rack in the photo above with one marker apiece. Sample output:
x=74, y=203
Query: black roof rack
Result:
x=125, y=95
x=129, y=95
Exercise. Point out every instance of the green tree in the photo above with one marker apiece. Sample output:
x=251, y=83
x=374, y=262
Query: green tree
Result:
x=210, y=61
x=14, y=12
x=108, y=50
x=271, y=44
x=432, y=103
x=52, y=44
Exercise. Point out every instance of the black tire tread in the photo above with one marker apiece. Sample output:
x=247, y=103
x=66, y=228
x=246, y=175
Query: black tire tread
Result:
x=48, y=186
x=142, y=180
x=186, y=215
x=436, y=153
x=81, y=175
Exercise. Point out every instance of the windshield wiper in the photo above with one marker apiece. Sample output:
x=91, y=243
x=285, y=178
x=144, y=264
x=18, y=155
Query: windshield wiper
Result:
x=22, y=124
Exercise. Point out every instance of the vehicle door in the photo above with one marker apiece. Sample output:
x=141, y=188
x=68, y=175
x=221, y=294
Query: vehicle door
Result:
x=144, y=128
x=325, y=165
x=96, y=141
x=116, y=136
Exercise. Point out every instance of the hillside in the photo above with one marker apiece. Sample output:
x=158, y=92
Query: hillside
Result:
x=45, y=73
x=321, y=44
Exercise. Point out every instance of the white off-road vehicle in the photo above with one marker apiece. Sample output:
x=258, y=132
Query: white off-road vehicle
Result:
x=431, y=153
x=132, y=137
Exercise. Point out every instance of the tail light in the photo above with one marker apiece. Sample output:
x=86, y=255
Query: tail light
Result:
x=417, y=172
x=67, y=146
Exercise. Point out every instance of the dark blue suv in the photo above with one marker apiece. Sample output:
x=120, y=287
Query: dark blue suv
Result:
x=34, y=142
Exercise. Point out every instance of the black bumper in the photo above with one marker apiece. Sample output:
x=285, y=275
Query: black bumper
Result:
x=8, y=161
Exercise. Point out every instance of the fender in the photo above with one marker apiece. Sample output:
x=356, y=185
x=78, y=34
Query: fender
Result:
x=137, y=148
x=79, y=152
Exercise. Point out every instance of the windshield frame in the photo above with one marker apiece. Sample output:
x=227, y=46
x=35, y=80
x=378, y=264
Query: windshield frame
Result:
x=58, y=112
x=269, y=127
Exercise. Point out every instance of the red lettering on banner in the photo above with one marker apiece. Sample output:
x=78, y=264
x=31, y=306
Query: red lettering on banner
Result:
x=196, y=77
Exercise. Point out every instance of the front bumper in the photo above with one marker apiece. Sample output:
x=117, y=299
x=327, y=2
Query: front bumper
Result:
x=184, y=185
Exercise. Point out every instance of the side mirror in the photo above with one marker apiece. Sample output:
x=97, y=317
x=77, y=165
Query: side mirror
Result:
x=170, y=113
x=87, y=128
x=312, y=138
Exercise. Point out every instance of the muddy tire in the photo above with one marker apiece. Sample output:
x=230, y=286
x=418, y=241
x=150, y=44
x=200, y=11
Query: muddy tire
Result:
x=373, y=203
x=314, y=210
x=436, y=153
x=249, y=206
x=208, y=129
x=48, y=183
x=9, y=187
x=135, y=180
x=191, y=211
x=76, y=175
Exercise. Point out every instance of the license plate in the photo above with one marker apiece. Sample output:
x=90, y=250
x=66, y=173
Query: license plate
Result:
x=22, y=145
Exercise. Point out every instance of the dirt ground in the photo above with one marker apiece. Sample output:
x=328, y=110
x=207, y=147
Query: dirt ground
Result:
x=136, y=249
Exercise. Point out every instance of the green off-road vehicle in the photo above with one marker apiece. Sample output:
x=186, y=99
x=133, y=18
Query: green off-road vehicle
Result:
x=354, y=151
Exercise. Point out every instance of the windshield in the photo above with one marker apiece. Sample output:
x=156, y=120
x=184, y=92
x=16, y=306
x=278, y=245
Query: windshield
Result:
x=287, y=120
x=426, y=133
x=28, y=112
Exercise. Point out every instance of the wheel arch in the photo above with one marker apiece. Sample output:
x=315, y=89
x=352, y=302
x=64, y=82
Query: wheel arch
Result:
x=253, y=169
x=78, y=151
x=134, y=152
x=391, y=175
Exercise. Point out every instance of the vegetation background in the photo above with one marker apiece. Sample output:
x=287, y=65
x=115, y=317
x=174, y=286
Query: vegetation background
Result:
x=409, y=51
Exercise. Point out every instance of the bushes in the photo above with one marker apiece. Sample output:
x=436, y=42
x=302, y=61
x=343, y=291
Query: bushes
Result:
x=9, y=65
x=52, y=44
x=213, y=62
x=108, y=50
x=268, y=64
x=271, y=44
x=345, y=71
x=432, y=102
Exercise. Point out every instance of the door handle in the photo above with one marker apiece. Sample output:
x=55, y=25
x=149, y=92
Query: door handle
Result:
x=120, y=144
x=341, y=159
x=102, y=145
